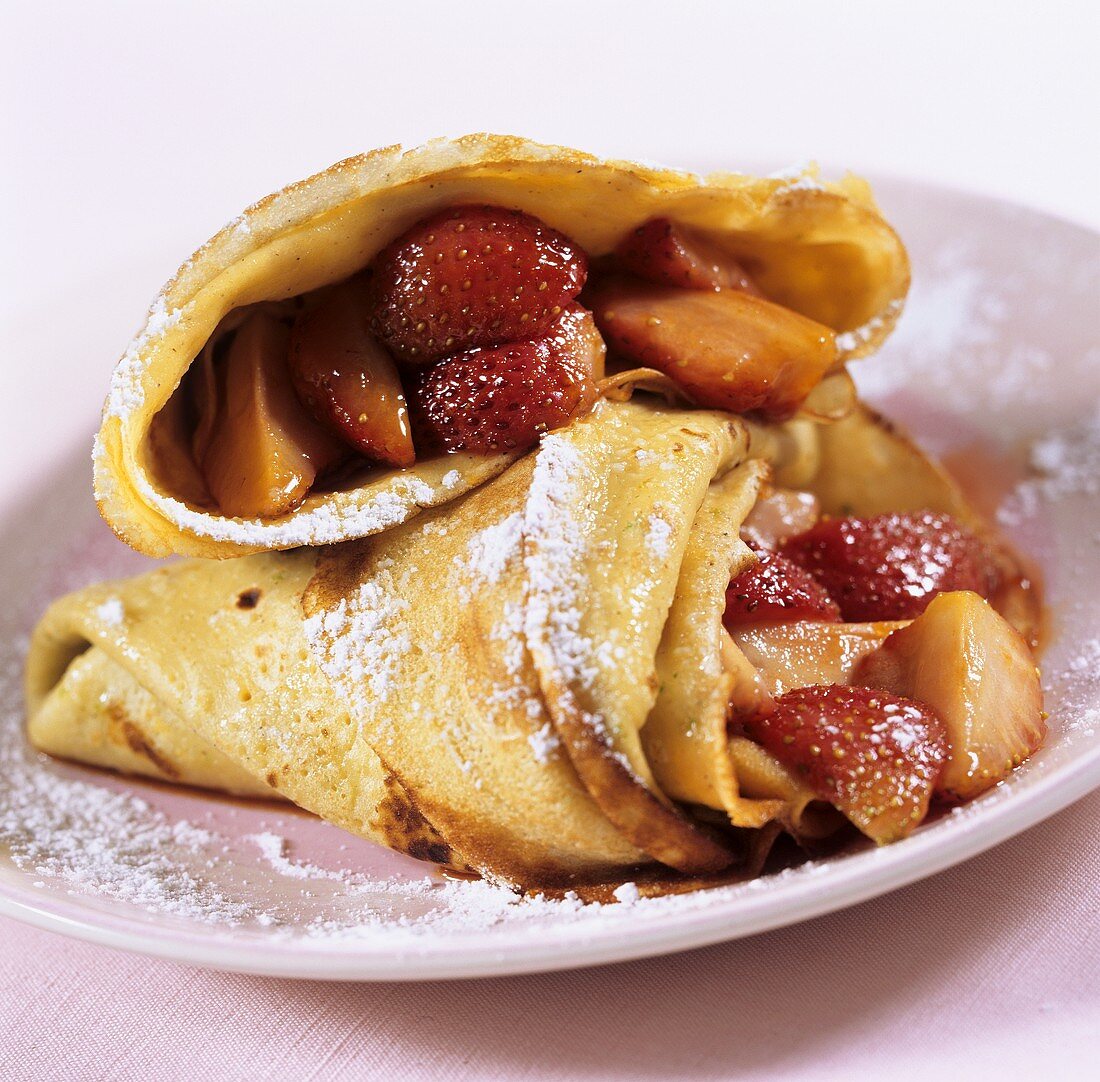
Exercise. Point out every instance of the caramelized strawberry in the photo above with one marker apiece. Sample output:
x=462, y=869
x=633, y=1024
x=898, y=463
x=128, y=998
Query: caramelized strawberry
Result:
x=669, y=254
x=575, y=336
x=875, y=757
x=263, y=451
x=505, y=397
x=890, y=566
x=970, y=665
x=472, y=276
x=774, y=590
x=348, y=381
x=727, y=350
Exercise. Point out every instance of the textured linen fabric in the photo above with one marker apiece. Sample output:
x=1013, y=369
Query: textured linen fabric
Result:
x=989, y=970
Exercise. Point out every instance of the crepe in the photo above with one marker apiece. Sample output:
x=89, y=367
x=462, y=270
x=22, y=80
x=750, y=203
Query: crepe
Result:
x=478, y=668
x=820, y=249
x=532, y=683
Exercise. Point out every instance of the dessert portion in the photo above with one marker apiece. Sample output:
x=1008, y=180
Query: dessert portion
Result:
x=608, y=573
x=394, y=332
x=626, y=657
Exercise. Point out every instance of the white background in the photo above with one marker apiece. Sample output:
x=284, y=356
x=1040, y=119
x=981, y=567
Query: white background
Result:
x=132, y=131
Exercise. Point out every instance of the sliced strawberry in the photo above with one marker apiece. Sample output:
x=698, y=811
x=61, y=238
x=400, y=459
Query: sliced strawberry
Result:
x=874, y=756
x=505, y=397
x=971, y=666
x=472, y=276
x=727, y=350
x=890, y=566
x=669, y=254
x=348, y=381
x=576, y=336
x=773, y=591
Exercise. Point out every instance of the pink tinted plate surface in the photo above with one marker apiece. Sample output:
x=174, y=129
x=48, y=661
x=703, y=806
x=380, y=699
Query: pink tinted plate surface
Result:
x=995, y=365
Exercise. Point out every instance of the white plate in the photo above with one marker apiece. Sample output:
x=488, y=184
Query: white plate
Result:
x=995, y=364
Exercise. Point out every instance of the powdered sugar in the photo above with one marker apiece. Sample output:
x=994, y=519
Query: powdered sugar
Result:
x=658, y=536
x=111, y=612
x=359, y=642
x=126, y=394
x=555, y=541
x=491, y=550
x=1066, y=463
x=544, y=743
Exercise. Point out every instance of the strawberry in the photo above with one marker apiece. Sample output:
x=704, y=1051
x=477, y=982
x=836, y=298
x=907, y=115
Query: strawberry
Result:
x=504, y=397
x=874, y=756
x=347, y=380
x=774, y=591
x=890, y=566
x=673, y=255
x=471, y=276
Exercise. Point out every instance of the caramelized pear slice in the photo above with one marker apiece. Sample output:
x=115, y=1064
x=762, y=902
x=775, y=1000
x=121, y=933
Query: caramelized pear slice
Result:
x=348, y=381
x=264, y=451
x=726, y=350
x=972, y=668
x=778, y=514
x=787, y=656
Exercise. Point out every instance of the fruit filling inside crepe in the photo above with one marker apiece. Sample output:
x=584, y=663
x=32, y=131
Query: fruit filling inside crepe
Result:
x=476, y=330
x=565, y=551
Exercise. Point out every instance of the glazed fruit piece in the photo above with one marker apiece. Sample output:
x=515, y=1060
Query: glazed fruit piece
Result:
x=673, y=255
x=778, y=514
x=472, y=276
x=890, y=566
x=727, y=350
x=965, y=660
x=774, y=590
x=263, y=451
x=347, y=380
x=503, y=398
x=787, y=656
x=874, y=756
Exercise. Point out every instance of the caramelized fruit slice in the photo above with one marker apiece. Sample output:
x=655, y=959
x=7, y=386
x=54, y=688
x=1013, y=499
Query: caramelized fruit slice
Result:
x=788, y=656
x=264, y=451
x=778, y=514
x=874, y=756
x=888, y=567
x=669, y=254
x=348, y=381
x=726, y=350
x=773, y=590
x=575, y=335
x=505, y=397
x=975, y=671
x=472, y=276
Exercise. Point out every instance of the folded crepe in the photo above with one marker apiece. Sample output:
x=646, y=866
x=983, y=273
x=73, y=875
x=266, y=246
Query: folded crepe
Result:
x=532, y=683
x=820, y=249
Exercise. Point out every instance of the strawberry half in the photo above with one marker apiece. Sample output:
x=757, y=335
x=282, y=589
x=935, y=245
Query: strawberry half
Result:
x=505, y=397
x=471, y=276
x=774, y=590
x=890, y=566
x=874, y=756
x=673, y=255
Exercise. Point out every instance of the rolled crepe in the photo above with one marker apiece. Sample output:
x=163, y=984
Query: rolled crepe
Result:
x=532, y=683
x=820, y=249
